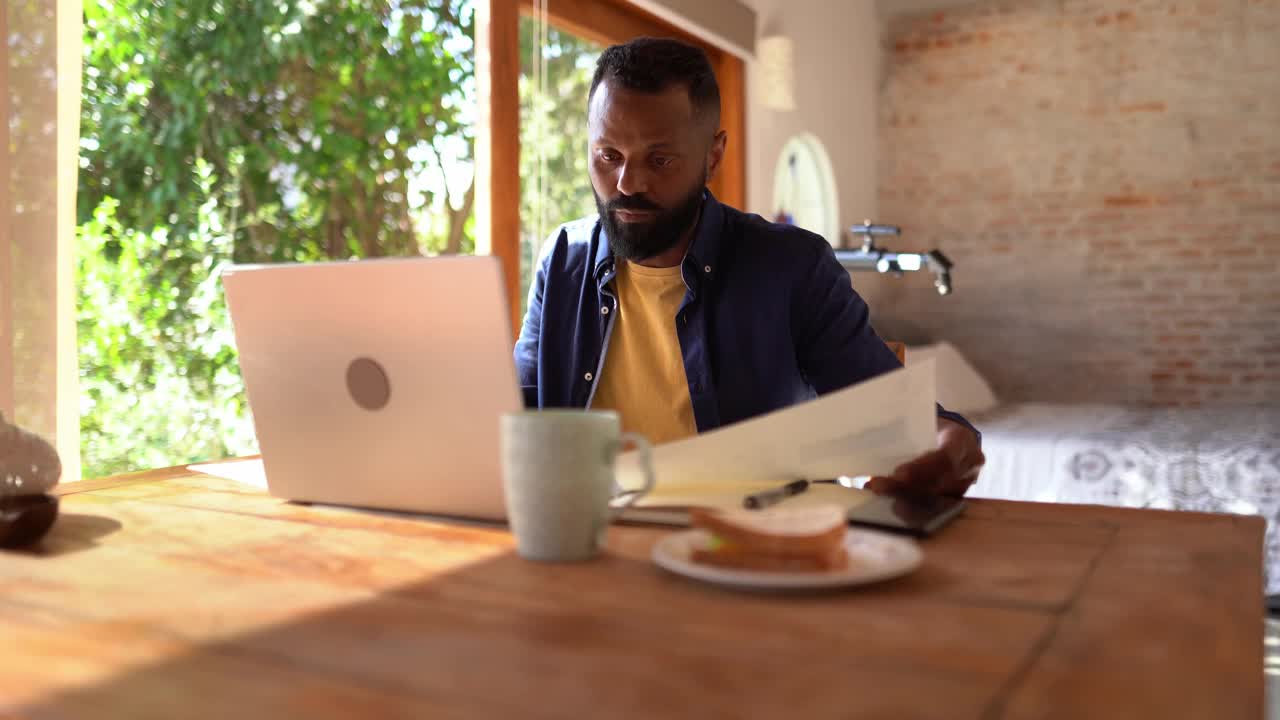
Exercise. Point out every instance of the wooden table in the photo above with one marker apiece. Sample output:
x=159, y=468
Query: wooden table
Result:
x=170, y=594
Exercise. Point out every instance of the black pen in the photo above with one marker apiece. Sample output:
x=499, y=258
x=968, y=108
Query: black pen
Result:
x=771, y=497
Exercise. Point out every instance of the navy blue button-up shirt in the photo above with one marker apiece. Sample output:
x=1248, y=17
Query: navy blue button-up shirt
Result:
x=769, y=319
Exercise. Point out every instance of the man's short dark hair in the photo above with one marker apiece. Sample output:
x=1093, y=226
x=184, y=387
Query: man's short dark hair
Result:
x=652, y=65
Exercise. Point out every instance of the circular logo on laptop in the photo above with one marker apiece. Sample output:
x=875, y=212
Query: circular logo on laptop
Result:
x=367, y=382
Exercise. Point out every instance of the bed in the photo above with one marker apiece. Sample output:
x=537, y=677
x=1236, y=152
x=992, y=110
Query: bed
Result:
x=1205, y=459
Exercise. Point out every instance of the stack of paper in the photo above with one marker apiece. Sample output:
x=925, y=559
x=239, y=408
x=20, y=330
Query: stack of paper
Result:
x=867, y=429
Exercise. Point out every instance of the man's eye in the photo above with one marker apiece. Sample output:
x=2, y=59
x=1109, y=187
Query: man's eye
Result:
x=663, y=161
x=609, y=157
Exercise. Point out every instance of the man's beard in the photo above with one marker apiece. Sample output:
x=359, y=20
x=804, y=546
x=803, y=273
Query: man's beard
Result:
x=642, y=240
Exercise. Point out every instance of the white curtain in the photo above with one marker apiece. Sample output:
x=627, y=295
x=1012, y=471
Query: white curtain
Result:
x=39, y=138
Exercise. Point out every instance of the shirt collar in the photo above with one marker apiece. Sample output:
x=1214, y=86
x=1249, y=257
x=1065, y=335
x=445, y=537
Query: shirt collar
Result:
x=704, y=251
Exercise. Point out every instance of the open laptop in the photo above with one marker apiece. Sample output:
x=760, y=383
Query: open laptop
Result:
x=378, y=383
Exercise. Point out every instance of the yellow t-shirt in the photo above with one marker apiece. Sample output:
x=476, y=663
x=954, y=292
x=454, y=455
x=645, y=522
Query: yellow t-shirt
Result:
x=643, y=377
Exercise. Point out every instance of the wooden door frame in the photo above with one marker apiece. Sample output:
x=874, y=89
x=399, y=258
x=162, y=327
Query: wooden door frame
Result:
x=7, y=369
x=606, y=22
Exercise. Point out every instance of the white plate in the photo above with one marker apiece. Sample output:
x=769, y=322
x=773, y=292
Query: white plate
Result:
x=873, y=557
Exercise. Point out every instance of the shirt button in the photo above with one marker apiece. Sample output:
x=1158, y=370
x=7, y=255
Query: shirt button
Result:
x=604, y=309
x=706, y=269
x=587, y=377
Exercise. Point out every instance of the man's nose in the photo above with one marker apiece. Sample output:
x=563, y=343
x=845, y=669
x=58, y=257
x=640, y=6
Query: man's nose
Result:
x=632, y=180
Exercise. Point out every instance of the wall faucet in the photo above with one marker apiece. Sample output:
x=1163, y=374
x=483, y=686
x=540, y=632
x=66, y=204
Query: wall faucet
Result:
x=873, y=258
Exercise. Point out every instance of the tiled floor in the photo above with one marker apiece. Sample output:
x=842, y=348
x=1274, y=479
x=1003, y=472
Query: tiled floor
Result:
x=1271, y=663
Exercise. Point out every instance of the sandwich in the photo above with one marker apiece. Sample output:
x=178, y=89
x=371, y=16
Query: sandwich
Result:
x=801, y=539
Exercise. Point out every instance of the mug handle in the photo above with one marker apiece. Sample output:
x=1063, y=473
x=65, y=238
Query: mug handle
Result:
x=646, y=465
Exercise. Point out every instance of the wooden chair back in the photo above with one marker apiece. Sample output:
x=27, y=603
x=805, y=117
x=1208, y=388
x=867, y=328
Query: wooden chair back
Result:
x=899, y=349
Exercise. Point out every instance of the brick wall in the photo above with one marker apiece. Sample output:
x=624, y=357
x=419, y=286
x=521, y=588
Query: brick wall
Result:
x=1106, y=176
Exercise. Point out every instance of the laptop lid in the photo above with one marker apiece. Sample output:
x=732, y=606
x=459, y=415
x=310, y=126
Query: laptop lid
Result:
x=378, y=383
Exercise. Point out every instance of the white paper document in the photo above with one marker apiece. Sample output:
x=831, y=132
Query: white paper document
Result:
x=866, y=429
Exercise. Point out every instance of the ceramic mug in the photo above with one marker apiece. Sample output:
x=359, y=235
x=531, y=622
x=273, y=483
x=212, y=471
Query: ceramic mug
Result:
x=558, y=471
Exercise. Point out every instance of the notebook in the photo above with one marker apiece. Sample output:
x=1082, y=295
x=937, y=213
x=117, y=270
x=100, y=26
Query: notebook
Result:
x=671, y=505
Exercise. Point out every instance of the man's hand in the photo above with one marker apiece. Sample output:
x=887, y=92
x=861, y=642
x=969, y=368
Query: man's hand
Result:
x=949, y=470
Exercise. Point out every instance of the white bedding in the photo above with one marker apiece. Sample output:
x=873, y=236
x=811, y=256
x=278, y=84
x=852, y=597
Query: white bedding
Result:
x=1211, y=460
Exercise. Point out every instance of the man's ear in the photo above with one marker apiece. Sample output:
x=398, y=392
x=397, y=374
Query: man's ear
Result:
x=716, y=153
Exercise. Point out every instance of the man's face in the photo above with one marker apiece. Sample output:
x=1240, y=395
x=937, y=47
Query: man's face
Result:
x=650, y=158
